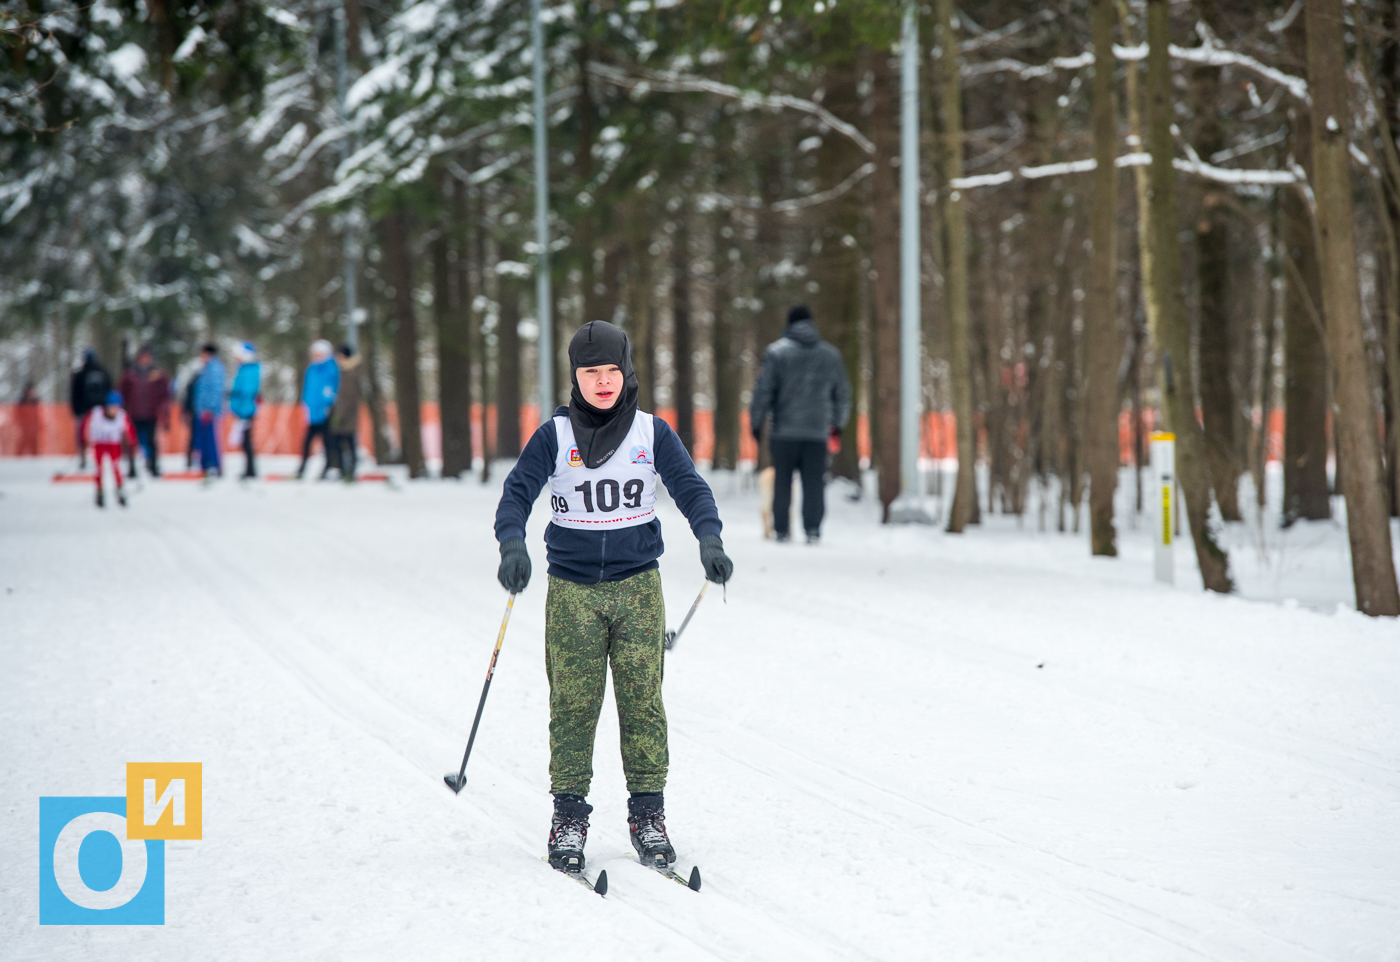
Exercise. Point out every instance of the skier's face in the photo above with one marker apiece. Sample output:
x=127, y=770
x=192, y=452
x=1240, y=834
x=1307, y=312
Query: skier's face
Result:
x=600, y=385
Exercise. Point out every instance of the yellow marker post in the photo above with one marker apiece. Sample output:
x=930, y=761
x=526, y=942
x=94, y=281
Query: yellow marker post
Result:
x=1164, y=477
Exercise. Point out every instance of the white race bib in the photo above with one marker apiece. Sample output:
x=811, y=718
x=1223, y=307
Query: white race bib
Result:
x=105, y=430
x=619, y=493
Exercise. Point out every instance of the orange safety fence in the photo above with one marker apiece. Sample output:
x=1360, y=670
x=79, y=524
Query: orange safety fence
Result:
x=48, y=429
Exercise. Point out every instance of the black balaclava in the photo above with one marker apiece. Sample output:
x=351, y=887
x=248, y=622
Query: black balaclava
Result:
x=598, y=432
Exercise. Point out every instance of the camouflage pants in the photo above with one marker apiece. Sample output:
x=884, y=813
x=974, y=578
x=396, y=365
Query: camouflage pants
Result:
x=586, y=628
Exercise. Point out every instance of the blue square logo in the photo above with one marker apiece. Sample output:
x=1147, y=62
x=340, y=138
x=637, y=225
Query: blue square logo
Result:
x=90, y=873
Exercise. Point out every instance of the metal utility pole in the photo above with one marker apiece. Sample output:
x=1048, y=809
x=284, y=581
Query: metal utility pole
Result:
x=348, y=247
x=542, y=281
x=910, y=339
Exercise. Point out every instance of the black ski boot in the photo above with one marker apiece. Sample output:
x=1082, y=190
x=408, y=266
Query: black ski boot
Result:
x=101, y=502
x=568, y=833
x=647, y=820
x=121, y=497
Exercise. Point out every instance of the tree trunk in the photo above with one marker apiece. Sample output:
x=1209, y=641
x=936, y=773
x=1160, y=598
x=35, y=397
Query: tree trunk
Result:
x=683, y=355
x=837, y=267
x=956, y=280
x=451, y=316
x=767, y=236
x=1390, y=280
x=508, y=293
x=586, y=120
x=1103, y=346
x=1213, y=277
x=382, y=453
x=406, y=391
x=989, y=339
x=611, y=297
x=480, y=240
x=726, y=356
x=466, y=305
x=1044, y=216
x=1305, y=377
x=1141, y=187
x=884, y=229
x=1067, y=466
x=1359, y=462
x=1174, y=335
x=1135, y=365
x=639, y=309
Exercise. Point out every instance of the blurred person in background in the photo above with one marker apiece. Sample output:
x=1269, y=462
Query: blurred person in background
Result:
x=345, y=413
x=187, y=406
x=145, y=391
x=28, y=417
x=318, y=392
x=803, y=384
x=208, y=405
x=243, y=401
x=89, y=389
x=106, y=427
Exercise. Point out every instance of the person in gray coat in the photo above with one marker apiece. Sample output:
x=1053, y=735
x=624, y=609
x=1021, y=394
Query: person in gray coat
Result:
x=803, y=385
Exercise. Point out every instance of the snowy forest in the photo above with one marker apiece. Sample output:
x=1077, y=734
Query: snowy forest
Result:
x=1107, y=186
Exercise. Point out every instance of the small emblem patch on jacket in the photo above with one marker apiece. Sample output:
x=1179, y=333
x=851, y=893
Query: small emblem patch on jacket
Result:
x=574, y=460
x=640, y=455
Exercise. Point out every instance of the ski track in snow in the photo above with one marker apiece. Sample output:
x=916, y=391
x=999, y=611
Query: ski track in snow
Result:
x=867, y=761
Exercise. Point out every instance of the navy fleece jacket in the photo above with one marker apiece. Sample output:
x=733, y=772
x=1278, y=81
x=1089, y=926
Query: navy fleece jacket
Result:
x=588, y=557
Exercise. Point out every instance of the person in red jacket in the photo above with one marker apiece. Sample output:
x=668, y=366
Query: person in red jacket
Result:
x=105, y=428
x=145, y=392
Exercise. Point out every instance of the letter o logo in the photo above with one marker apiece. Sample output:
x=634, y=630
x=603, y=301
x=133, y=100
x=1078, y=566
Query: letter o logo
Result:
x=70, y=879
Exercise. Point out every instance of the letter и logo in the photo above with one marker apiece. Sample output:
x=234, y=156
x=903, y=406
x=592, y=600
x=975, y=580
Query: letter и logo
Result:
x=91, y=872
x=167, y=799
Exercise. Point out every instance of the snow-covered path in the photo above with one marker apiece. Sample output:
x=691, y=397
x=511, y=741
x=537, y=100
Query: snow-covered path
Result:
x=898, y=745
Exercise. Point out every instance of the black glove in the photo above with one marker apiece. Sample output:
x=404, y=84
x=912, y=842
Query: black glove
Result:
x=718, y=567
x=515, y=565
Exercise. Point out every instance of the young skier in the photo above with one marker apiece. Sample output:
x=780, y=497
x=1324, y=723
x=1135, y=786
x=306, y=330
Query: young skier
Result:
x=601, y=457
x=105, y=428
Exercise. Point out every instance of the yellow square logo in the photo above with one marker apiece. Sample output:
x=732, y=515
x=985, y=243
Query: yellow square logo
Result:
x=164, y=800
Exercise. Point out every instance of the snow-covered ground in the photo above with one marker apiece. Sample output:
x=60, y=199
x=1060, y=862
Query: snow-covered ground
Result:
x=898, y=745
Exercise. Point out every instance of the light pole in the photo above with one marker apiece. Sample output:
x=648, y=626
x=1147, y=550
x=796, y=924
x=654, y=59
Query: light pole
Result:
x=542, y=281
x=910, y=339
x=348, y=251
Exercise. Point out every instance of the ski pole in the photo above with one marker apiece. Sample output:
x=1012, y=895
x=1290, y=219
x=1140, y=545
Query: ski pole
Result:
x=673, y=636
x=458, y=781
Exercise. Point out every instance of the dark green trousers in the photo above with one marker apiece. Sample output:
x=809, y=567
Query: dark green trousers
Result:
x=588, y=627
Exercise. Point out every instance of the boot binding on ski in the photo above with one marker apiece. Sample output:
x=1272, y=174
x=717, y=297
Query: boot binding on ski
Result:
x=646, y=817
x=568, y=833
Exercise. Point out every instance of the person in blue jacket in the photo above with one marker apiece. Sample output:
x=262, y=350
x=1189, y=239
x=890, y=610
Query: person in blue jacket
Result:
x=318, y=395
x=208, y=406
x=243, y=399
x=601, y=457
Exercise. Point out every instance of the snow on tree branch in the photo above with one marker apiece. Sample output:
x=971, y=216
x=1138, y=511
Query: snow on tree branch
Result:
x=670, y=82
x=1222, y=175
x=989, y=37
x=713, y=200
x=1209, y=54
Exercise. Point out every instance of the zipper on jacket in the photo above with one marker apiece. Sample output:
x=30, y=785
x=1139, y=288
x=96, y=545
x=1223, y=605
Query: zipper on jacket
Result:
x=603, y=557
